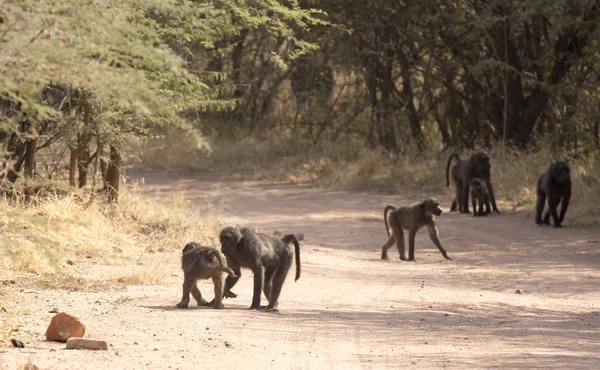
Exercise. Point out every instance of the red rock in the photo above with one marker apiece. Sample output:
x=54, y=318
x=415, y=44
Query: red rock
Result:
x=63, y=327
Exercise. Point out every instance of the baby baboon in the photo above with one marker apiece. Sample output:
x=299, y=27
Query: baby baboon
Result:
x=269, y=258
x=477, y=165
x=554, y=184
x=198, y=262
x=411, y=219
x=479, y=194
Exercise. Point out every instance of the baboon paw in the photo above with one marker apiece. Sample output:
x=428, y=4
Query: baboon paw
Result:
x=402, y=258
x=218, y=306
x=182, y=305
x=411, y=260
x=272, y=309
x=446, y=257
x=230, y=294
x=558, y=225
x=255, y=308
x=464, y=213
x=385, y=258
x=204, y=303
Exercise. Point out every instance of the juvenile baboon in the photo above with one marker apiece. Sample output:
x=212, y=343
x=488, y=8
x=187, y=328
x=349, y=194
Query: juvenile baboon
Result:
x=554, y=184
x=477, y=165
x=412, y=219
x=199, y=262
x=269, y=258
x=479, y=194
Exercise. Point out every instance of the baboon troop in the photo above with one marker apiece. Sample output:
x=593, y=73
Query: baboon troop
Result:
x=476, y=166
x=555, y=186
x=199, y=262
x=268, y=257
x=411, y=219
x=479, y=194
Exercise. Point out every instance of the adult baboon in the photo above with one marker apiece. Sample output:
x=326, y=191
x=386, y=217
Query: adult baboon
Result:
x=412, y=219
x=199, y=262
x=477, y=165
x=554, y=184
x=269, y=258
x=479, y=194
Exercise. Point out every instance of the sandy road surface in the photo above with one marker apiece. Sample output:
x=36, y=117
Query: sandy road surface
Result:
x=349, y=309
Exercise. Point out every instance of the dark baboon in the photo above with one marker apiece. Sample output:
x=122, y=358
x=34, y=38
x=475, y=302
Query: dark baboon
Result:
x=198, y=262
x=269, y=258
x=411, y=219
x=479, y=194
x=554, y=184
x=477, y=165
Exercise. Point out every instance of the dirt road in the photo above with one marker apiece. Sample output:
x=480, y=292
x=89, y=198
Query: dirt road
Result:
x=349, y=309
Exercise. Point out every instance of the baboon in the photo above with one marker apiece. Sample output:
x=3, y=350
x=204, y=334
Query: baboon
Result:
x=479, y=194
x=554, y=184
x=477, y=165
x=199, y=262
x=269, y=258
x=412, y=219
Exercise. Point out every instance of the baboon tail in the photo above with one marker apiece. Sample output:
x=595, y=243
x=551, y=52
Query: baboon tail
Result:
x=453, y=155
x=385, y=217
x=227, y=270
x=292, y=238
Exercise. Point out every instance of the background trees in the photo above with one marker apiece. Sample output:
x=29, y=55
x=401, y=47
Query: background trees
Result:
x=87, y=78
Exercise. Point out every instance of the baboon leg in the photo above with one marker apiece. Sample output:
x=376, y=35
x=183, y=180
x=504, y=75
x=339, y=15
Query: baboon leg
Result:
x=474, y=203
x=218, y=281
x=454, y=207
x=400, y=243
x=232, y=280
x=278, y=279
x=187, y=286
x=563, y=208
x=386, y=246
x=539, y=207
x=552, y=205
x=411, y=245
x=198, y=296
x=259, y=273
x=490, y=189
x=463, y=202
x=547, y=214
x=456, y=203
x=434, y=235
x=487, y=206
x=267, y=283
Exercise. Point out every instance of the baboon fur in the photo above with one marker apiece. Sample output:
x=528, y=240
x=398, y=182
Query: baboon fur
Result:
x=479, y=194
x=477, y=165
x=412, y=219
x=554, y=185
x=267, y=256
x=199, y=262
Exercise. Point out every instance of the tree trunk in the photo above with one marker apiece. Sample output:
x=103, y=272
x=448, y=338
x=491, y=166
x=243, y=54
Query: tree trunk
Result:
x=30, y=149
x=84, y=164
x=113, y=174
x=73, y=160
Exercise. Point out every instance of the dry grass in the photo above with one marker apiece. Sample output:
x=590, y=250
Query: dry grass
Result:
x=353, y=167
x=52, y=237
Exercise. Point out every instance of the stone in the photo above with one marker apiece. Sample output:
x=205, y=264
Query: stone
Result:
x=64, y=326
x=83, y=343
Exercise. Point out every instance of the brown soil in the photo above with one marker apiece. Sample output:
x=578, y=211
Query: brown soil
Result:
x=349, y=309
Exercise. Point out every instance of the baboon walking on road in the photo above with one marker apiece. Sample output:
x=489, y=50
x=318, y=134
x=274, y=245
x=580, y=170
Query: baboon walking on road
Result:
x=269, y=258
x=199, y=262
x=555, y=185
x=479, y=194
x=411, y=219
x=477, y=165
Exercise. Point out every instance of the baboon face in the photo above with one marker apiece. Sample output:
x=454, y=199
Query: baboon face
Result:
x=431, y=206
x=475, y=183
x=229, y=238
x=484, y=161
x=561, y=172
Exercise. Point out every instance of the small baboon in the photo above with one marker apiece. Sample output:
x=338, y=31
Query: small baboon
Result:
x=554, y=184
x=269, y=258
x=479, y=194
x=412, y=219
x=199, y=262
x=477, y=165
